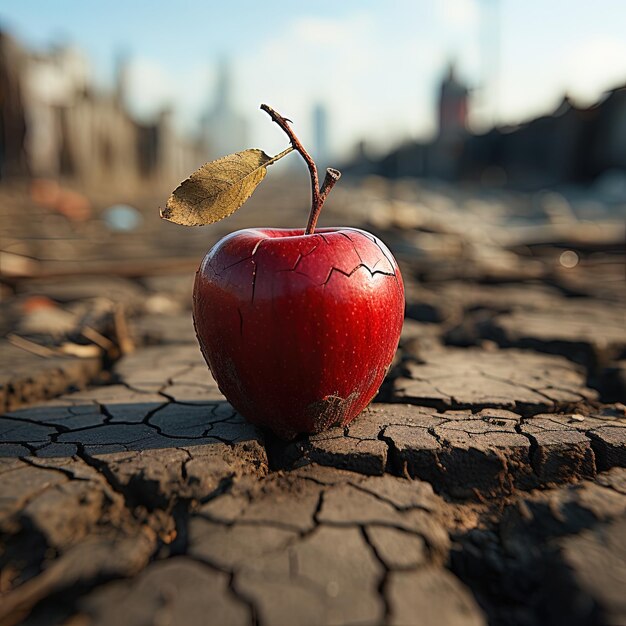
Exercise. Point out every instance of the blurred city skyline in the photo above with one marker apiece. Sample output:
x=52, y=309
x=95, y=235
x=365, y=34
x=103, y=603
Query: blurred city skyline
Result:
x=375, y=67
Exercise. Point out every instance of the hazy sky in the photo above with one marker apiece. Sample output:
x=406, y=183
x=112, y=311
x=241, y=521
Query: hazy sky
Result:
x=375, y=64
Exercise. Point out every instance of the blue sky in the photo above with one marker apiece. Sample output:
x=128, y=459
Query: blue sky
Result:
x=375, y=64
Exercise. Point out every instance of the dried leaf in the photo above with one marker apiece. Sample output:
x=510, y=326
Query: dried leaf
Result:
x=217, y=189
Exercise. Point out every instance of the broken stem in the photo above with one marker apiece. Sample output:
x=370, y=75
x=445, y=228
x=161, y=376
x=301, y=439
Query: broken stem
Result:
x=318, y=196
x=332, y=176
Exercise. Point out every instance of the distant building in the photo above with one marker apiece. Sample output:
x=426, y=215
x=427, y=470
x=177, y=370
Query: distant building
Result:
x=55, y=123
x=320, y=136
x=122, y=78
x=438, y=158
x=569, y=145
x=223, y=130
x=452, y=105
x=442, y=156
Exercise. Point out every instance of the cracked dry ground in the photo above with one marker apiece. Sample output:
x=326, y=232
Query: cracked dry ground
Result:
x=485, y=485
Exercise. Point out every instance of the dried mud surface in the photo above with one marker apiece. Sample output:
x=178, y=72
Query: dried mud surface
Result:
x=485, y=485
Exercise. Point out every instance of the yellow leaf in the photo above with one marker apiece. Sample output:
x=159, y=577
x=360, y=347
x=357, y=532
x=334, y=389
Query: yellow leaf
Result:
x=217, y=189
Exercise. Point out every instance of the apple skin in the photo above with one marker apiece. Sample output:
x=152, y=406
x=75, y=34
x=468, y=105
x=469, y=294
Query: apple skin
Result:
x=299, y=330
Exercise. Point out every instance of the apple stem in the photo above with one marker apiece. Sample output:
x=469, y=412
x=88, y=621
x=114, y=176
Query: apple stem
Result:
x=318, y=195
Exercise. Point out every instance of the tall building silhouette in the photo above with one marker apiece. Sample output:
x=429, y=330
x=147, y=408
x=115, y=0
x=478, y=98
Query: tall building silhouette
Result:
x=122, y=77
x=320, y=135
x=453, y=97
x=224, y=130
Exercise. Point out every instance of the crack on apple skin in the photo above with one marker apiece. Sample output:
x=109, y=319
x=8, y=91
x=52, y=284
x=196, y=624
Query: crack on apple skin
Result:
x=234, y=264
x=254, y=271
x=300, y=257
x=257, y=246
x=248, y=258
x=375, y=241
x=299, y=274
x=313, y=249
x=348, y=274
x=334, y=269
x=295, y=265
x=353, y=246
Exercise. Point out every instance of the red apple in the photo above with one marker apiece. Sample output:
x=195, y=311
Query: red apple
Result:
x=299, y=330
